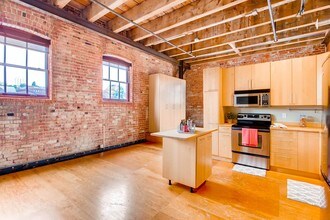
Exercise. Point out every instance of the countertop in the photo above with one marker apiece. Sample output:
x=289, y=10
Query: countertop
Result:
x=182, y=136
x=297, y=128
x=226, y=125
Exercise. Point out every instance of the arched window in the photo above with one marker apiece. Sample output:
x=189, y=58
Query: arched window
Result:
x=115, y=79
x=23, y=63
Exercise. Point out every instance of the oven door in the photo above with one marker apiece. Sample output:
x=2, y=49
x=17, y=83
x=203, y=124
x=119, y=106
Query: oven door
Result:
x=245, y=100
x=263, y=148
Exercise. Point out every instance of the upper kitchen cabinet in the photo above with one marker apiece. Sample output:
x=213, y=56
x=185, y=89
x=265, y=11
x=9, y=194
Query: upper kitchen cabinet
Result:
x=243, y=77
x=252, y=77
x=228, y=86
x=281, y=83
x=167, y=102
x=260, y=76
x=304, y=84
x=211, y=78
x=294, y=82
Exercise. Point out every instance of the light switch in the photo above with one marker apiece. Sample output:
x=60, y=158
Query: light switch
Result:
x=283, y=115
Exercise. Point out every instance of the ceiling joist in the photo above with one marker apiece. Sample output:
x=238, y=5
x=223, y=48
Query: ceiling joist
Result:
x=95, y=12
x=61, y=3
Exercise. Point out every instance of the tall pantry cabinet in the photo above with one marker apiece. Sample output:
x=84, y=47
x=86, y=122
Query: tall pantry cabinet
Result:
x=167, y=102
x=212, y=101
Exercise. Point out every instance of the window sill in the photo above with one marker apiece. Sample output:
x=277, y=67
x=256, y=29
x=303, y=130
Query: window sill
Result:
x=116, y=101
x=24, y=97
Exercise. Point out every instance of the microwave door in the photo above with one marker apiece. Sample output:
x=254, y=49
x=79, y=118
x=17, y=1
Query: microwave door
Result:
x=247, y=100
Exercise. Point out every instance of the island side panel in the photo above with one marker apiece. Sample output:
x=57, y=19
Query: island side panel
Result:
x=204, y=159
x=179, y=160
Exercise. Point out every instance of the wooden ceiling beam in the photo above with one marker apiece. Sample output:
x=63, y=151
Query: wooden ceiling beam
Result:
x=61, y=3
x=142, y=12
x=95, y=12
x=222, y=17
x=231, y=28
x=262, y=50
x=281, y=26
x=262, y=41
x=183, y=15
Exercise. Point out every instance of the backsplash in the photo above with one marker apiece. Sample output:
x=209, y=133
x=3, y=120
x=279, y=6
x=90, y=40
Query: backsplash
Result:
x=280, y=114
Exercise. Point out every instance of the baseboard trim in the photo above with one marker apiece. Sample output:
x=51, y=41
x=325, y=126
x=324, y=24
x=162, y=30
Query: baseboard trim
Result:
x=53, y=160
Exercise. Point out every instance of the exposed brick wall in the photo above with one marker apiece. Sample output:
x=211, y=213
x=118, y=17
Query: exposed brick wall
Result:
x=194, y=77
x=74, y=118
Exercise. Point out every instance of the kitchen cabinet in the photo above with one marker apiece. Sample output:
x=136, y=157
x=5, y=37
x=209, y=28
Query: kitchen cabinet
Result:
x=295, y=150
x=225, y=142
x=260, y=76
x=294, y=82
x=304, y=81
x=323, y=79
x=252, y=77
x=281, y=83
x=212, y=102
x=187, y=158
x=167, y=98
x=228, y=86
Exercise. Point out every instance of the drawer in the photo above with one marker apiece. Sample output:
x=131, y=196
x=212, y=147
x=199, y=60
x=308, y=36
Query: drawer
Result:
x=283, y=135
x=224, y=129
x=284, y=160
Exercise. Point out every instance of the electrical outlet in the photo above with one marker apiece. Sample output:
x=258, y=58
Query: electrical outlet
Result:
x=283, y=115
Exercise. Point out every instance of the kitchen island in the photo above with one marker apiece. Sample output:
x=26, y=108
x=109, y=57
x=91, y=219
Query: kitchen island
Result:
x=187, y=158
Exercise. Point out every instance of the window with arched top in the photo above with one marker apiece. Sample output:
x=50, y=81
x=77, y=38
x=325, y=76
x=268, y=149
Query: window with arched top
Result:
x=23, y=63
x=116, y=79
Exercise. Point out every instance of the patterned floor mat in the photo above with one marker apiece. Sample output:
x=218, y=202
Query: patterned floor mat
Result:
x=307, y=193
x=249, y=170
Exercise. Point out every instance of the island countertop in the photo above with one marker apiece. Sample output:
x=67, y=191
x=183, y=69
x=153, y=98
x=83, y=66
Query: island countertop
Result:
x=183, y=136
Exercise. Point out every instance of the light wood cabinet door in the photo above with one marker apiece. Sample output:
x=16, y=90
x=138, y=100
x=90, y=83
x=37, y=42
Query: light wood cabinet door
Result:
x=211, y=107
x=260, y=76
x=281, y=83
x=203, y=158
x=215, y=143
x=284, y=149
x=228, y=86
x=243, y=77
x=225, y=145
x=309, y=152
x=211, y=79
x=304, y=83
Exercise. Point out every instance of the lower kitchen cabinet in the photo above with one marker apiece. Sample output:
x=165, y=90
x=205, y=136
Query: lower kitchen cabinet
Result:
x=295, y=150
x=224, y=143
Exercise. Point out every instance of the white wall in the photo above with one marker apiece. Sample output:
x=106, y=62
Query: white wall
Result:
x=292, y=115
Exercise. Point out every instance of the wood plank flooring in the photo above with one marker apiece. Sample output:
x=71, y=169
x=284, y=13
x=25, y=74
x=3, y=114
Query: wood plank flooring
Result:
x=127, y=184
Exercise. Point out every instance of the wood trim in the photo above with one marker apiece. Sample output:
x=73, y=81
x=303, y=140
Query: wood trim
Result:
x=103, y=31
x=219, y=18
x=245, y=24
x=184, y=15
x=142, y=12
x=263, y=50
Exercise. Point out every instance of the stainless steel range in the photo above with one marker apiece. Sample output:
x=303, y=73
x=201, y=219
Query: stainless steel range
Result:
x=255, y=156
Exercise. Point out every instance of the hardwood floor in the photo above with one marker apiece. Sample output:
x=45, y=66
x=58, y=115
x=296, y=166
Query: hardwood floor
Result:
x=127, y=184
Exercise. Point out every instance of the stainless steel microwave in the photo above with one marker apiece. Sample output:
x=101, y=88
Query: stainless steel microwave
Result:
x=252, y=98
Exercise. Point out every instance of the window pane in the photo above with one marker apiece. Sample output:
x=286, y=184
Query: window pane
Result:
x=122, y=75
x=105, y=72
x=113, y=73
x=37, y=47
x=36, y=59
x=15, y=55
x=37, y=82
x=16, y=80
x=15, y=42
x=2, y=80
x=106, y=89
x=114, y=90
x=123, y=91
x=2, y=53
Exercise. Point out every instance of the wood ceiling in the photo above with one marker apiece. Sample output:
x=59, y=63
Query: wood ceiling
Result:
x=208, y=30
